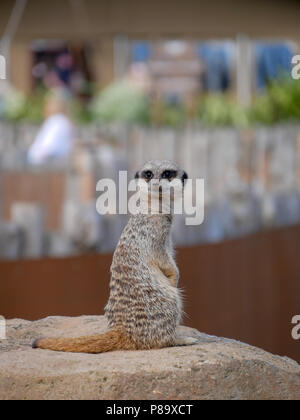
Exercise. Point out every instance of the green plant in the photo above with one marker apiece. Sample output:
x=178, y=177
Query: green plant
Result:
x=122, y=102
x=219, y=110
x=280, y=102
x=168, y=115
x=80, y=112
x=19, y=107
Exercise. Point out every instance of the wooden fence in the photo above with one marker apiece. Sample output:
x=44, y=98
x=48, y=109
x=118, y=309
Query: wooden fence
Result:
x=247, y=289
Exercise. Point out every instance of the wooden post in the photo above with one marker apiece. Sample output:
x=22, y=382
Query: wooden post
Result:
x=244, y=70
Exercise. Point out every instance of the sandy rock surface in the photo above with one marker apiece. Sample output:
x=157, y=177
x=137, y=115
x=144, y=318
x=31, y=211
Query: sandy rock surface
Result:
x=216, y=368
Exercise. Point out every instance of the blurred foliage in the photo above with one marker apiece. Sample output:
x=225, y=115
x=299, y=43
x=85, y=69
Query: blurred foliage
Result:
x=122, y=102
x=172, y=115
x=19, y=107
x=220, y=110
x=81, y=112
x=280, y=102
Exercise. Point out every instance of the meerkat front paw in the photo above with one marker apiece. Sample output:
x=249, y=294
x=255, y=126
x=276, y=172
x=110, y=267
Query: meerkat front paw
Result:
x=186, y=341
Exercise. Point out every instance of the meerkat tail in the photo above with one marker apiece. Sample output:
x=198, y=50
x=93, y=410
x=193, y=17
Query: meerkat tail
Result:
x=110, y=341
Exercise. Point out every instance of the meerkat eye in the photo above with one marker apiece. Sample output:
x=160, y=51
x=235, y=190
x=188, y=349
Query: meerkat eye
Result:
x=147, y=174
x=169, y=174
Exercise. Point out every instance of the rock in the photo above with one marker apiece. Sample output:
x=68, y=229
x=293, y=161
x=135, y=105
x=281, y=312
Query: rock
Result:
x=81, y=225
x=11, y=240
x=29, y=217
x=216, y=368
x=58, y=245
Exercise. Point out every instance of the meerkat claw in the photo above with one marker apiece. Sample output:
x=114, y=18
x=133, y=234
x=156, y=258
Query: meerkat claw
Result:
x=186, y=341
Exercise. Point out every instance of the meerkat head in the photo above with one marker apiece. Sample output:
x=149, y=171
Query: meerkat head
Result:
x=163, y=182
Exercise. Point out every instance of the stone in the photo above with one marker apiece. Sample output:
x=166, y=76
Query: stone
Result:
x=58, y=245
x=29, y=217
x=216, y=368
x=11, y=240
x=81, y=224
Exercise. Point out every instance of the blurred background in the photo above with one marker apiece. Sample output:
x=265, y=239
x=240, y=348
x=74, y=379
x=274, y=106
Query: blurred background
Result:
x=95, y=87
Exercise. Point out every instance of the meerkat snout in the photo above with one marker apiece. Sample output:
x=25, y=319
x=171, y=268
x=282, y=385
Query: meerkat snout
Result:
x=161, y=181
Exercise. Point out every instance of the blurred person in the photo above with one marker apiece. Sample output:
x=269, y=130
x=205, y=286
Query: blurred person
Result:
x=60, y=75
x=64, y=67
x=54, y=141
x=63, y=75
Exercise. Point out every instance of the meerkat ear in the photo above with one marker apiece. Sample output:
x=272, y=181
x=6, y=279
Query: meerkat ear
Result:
x=184, y=177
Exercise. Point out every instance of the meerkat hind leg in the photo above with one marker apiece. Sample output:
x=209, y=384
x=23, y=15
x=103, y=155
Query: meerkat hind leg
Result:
x=185, y=341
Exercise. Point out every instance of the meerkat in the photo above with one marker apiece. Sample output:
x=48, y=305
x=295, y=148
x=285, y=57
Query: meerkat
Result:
x=145, y=304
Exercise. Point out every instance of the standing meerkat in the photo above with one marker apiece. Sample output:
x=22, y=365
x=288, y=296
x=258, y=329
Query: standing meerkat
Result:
x=145, y=305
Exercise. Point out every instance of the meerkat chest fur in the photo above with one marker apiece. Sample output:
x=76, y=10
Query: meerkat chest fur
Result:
x=143, y=301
